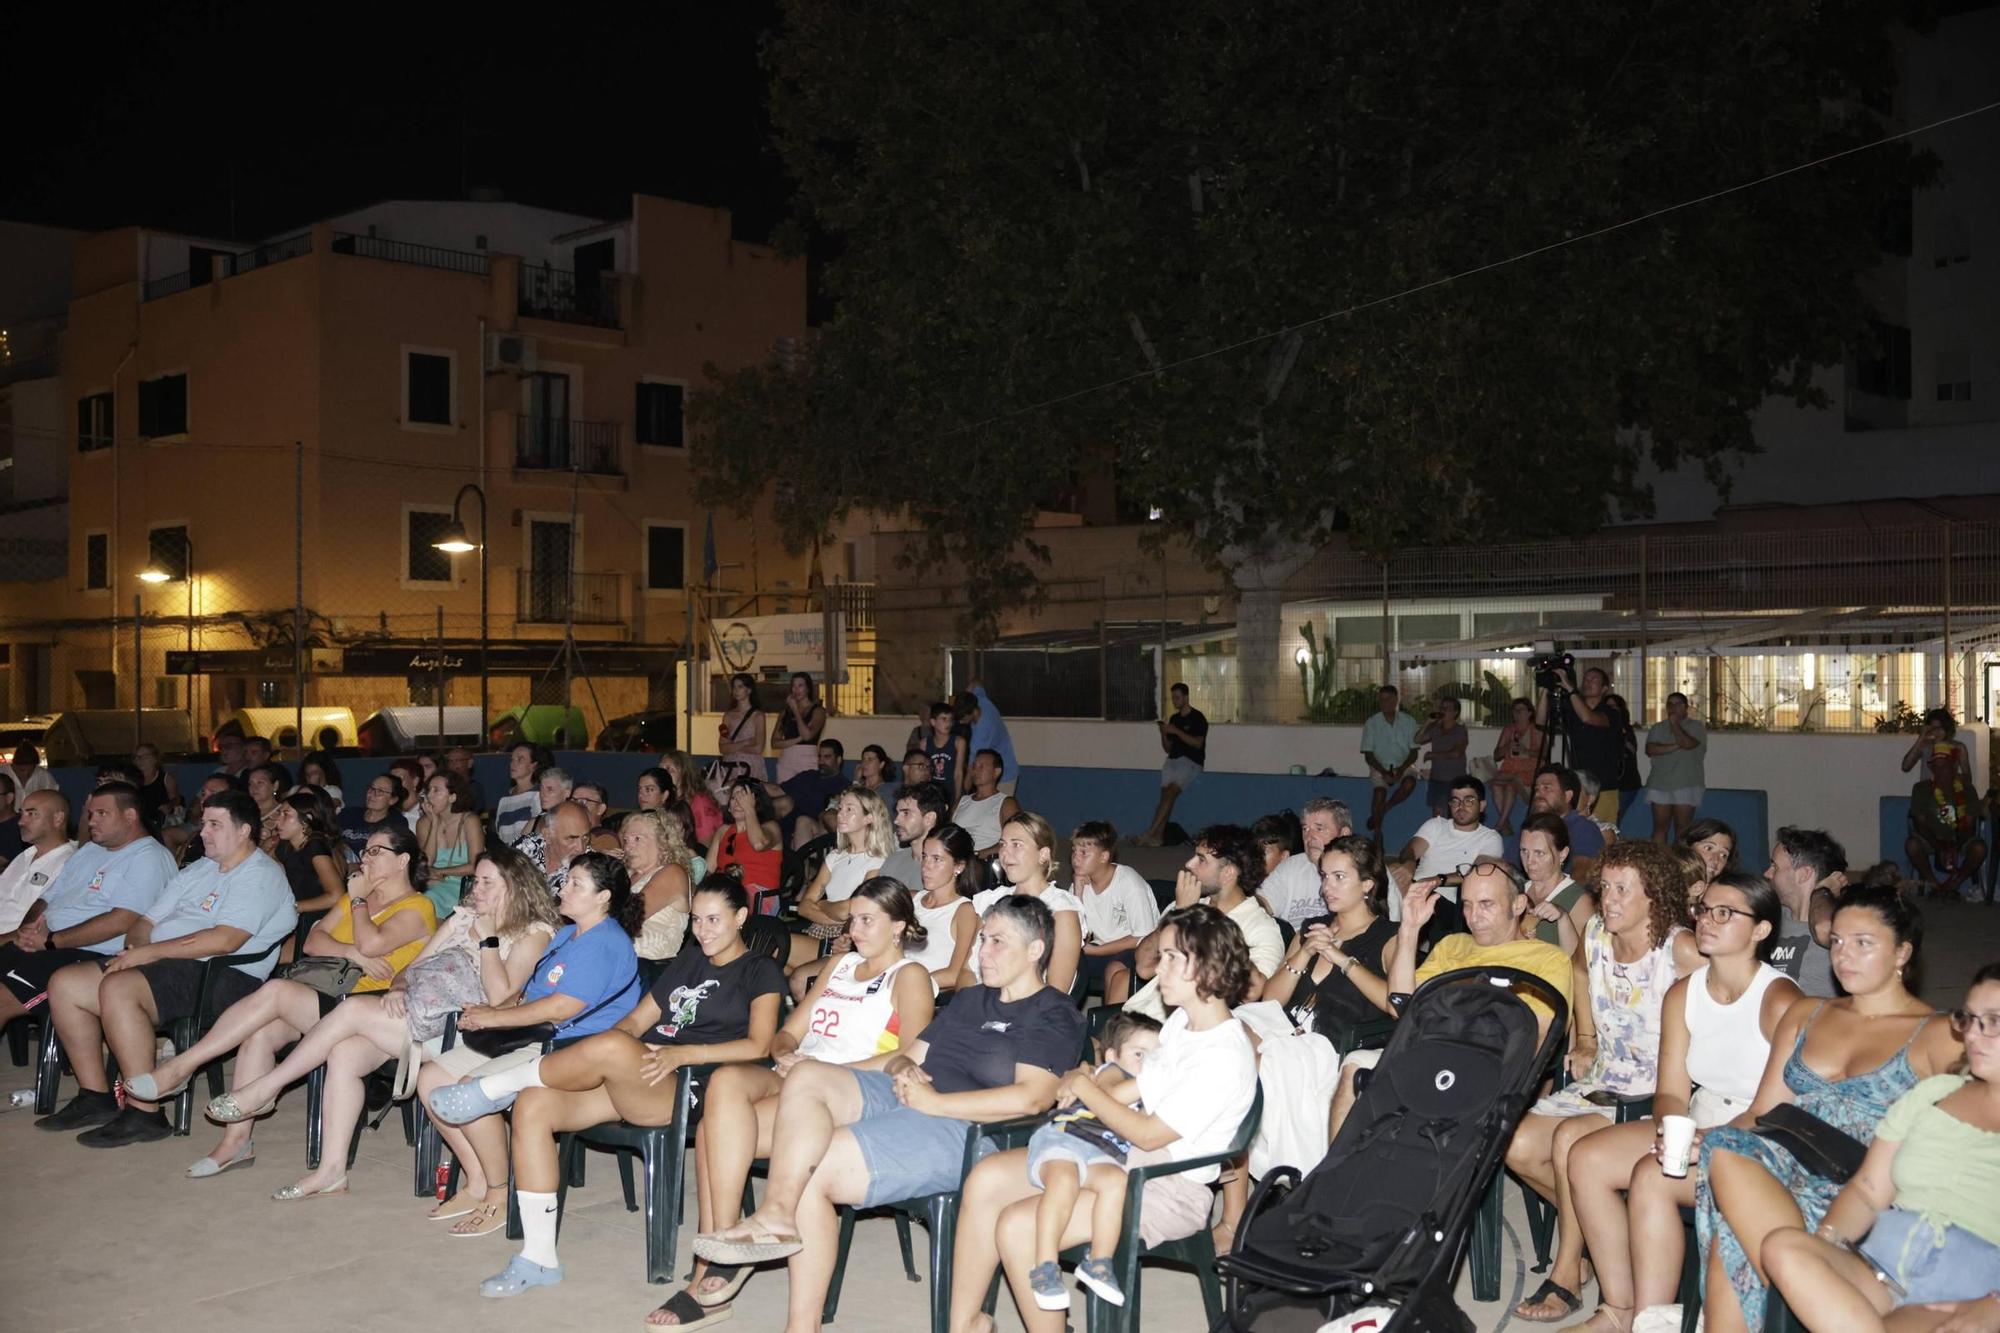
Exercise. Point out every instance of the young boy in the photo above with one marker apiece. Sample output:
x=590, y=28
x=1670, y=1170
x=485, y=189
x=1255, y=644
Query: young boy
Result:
x=1076, y=1148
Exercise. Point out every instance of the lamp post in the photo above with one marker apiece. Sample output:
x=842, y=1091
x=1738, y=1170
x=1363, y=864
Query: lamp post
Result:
x=454, y=541
x=157, y=573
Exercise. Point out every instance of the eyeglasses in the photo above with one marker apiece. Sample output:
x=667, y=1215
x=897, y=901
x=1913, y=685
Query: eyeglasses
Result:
x=371, y=851
x=1719, y=913
x=381, y=791
x=1463, y=800
x=1963, y=1020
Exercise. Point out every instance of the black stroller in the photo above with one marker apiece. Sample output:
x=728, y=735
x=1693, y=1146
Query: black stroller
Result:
x=1383, y=1219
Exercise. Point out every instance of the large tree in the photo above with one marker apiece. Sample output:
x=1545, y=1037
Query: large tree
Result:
x=1201, y=206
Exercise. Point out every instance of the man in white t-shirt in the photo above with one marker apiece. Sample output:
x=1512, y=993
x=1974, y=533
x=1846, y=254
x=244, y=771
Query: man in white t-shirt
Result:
x=1443, y=846
x=45, y=830
x=1291, y=890
x=1119, y=910
x=1224, y=872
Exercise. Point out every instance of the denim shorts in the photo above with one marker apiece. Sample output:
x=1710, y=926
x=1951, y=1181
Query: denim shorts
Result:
x=909, y=1154
x=1053, y=1143
x=1931, y=1264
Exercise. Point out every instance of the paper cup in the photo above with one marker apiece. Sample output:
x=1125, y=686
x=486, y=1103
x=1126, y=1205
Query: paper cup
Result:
x=1676, y=1140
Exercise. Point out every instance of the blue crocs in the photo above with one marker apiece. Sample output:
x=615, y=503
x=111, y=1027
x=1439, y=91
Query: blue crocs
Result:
x=520, y=1274
x=462, y=1103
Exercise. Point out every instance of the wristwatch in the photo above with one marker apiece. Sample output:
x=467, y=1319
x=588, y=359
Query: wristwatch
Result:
x=490, y=942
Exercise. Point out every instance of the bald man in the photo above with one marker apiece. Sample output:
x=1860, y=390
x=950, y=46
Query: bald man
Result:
x=569, y=832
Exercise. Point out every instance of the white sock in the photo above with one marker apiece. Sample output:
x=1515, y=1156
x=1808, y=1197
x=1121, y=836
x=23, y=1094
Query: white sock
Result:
x=538, y=1225
x=513, y=1080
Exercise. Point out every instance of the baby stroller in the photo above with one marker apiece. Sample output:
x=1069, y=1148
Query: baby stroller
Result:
x=1383, y=1219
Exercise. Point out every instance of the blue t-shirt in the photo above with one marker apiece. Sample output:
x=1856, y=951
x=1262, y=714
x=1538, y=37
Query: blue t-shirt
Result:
x=598, y=967
x=95, y=881
x=990, y=733
x=355, y=829
x=255, y=897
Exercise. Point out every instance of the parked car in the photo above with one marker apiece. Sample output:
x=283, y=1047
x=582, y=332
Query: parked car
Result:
x=400, y=730
x=652, y=733
x=86, y=735
x=543, y=724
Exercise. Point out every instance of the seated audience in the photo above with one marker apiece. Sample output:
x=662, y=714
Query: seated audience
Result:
x=1389, y=749
x=813, y=791
x=1558, y=906
x=308, y=851
x=411, y=774
x=45, y=846
x=1716, y=842
x=318, y=769
x=872, y=771
x=1224, y=871
x=381, y=799
x=553, y=786
x=160, y=801
x=1844, y=1061
x=1944, y=846
x=944, y=908
x=1291, y=891
x=1444, y=847
x=1028, y=865
x=750, y=846
x=1117, y=909
x=917, y=769
x=918, y=810
x=660, y=868
x=233, y=901
x=458, y=759
x=596, y=804
x=1557, y=791
x=266, y=785
x=450, y=834
x=985, y=806
x=1807, y=869
x=1715, y=1039
x=689, y=787
x=1337, y=972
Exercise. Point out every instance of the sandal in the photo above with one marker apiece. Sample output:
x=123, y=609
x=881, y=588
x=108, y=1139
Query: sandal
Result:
x=1620, y=1320
x=458, y=1205
x=226, y=1110
x=1534, y=1310
x=689, y=1313
x=756, y=1247
x=483, y=1220
x=732, y=1277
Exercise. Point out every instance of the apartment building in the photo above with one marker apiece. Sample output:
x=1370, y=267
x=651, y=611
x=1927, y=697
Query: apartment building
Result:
x=279, y=434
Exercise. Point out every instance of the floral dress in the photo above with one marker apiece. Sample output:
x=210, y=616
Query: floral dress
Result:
x=1625, y=1003
x=1855, y=1105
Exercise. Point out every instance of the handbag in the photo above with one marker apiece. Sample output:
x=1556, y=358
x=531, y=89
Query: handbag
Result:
x=439, y=985
x=494, y=1042
x=332, y=977
x=1829, y=1153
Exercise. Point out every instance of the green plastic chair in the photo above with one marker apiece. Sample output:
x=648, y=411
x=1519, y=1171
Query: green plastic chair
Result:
x=662, y=1152
x=1196, y=1251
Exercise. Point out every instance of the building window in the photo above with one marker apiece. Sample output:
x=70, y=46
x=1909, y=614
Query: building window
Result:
x=167, y=551
x=1951, y=371
x=427, y=388
x=163, y=406
x=1882, y=362
x=666, y=557
x=423, y=562
x=1952, y=244
x=94, y=422
x=96, y=561
x=657, y=415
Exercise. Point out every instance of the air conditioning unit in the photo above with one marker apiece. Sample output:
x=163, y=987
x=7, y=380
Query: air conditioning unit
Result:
x=510, y=351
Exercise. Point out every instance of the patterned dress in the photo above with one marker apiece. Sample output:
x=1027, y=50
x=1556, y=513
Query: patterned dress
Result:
x=1625, y=1003
x=1855, y=1105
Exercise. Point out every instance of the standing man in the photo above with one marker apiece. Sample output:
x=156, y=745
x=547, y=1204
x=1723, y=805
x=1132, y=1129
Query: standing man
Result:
x=1808, y=869
x=1119, y=909
x=989, y=732
x=1389, y=747
x=1292, y=888
x=1674, y=788
x=234, y=900
x=1595, y=725
x=45, y=831
x=1184, y=736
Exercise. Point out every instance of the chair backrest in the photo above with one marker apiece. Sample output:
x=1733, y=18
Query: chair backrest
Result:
x=768, y=936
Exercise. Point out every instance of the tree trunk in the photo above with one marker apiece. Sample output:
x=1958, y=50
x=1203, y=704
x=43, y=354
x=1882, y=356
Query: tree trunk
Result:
x=1259, y=579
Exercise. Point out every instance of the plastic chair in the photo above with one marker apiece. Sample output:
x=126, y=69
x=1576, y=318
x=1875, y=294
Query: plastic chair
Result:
x=1196, y=1251
x=22, y=1034
x=1778, y=1317
x=316, y=1121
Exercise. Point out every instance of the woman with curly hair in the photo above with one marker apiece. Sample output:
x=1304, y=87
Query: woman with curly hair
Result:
x=661, y=870
x=1633, y=951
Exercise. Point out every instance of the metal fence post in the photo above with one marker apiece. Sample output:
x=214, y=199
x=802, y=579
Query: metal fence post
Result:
x=1104, y=649
x=299, y=594
x=1644, y=553
x=1944, y=661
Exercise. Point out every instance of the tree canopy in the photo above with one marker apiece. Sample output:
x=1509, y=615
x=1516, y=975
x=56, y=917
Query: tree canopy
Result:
x=1027, y=199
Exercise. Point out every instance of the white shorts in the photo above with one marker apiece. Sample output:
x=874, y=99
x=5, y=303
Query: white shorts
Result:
x=1181, y=772
x=1687, y=796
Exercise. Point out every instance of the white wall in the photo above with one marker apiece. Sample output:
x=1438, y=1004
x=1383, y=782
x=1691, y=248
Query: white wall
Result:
x=1834, y=782
x=512, y=229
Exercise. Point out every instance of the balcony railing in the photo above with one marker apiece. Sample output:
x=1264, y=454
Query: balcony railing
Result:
x=263, y=256
x=559, y=445
x=155, y=288
x=406, y=252
x=553, y=596
x=554, y=293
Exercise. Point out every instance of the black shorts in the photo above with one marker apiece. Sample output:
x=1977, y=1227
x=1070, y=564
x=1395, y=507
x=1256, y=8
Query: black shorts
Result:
x=27, y=972
x=176, y=984
x=1091, y=967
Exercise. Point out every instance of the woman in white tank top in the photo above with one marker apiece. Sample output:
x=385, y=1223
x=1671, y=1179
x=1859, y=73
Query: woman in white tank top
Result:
x=1716, y=1026
x=1028, y=860
x=868, y=1002
x=950, y=871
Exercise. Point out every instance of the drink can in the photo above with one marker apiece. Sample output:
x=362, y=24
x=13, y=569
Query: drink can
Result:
x=443, y=1179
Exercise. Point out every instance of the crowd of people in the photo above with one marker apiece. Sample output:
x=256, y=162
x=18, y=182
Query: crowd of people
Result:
x=846, y=973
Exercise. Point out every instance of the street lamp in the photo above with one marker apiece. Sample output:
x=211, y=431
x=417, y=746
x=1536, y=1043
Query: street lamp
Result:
x=454, y=541
x=157, y=573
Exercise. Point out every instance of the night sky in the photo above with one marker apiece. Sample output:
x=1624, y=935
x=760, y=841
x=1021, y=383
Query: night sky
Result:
x=163, y=117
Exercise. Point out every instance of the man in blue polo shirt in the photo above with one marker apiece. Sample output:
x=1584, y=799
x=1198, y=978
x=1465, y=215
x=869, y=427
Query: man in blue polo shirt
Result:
x=234, y=900
x=105, y=888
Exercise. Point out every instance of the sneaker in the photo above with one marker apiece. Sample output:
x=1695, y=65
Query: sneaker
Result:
x=1097, y=1275
x=1045, y=1280
x=1658, y=1319
x=85, y=1110
x=520, y=1274
x=128, y=1126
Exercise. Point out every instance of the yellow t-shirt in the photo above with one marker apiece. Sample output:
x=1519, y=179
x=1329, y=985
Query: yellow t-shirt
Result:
x=1546, y=961
x=342, y=932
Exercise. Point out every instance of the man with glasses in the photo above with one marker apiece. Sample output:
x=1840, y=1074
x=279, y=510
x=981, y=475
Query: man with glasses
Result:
x=382, y=797
x=591, y=796
x=1443, y=849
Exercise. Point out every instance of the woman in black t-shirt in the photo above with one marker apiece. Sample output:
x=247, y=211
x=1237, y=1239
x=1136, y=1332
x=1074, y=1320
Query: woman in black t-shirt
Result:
x=307, y=848
x=1336, y=974
x=894, y=1127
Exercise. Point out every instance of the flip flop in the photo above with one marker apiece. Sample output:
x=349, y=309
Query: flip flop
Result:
x=771, y=1248
x=1548, y=1288
x=690, y=1313
x=732, y=1277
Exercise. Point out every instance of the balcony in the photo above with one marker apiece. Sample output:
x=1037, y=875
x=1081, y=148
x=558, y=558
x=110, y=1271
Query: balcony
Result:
x=263, y=256
x=552, y=444
x=556, y=294
x=555, y=597
x=406, y=252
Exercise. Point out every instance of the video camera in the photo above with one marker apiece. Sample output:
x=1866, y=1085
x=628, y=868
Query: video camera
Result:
x=1549, y=664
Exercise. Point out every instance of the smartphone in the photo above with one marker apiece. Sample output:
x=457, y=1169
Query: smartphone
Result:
x=1601, y=1097
x=1895, y=1287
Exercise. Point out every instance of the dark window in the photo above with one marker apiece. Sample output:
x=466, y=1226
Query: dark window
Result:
x=1895, y=222
x=167, y=549
x=666, y=557
x=201, y=264
x=163, y=406
x=426, y=563
x=97, y=560
x=1882, y=362
x=94, y=422
x=657, y=417
x=430, y=389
